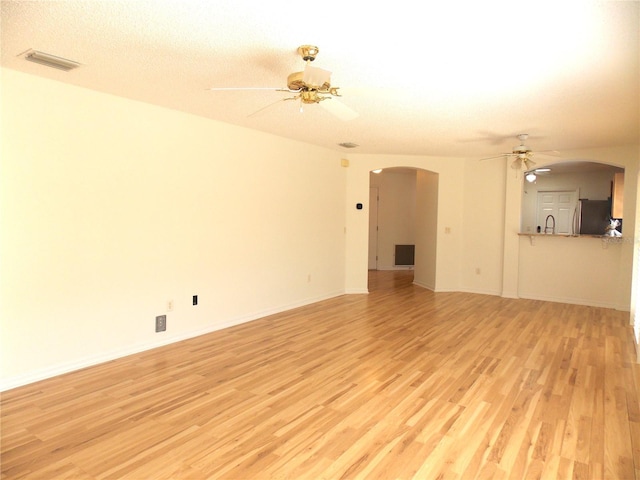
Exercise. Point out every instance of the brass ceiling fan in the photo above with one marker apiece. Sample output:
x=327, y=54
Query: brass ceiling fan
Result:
x=522, y=154
x=310, y=86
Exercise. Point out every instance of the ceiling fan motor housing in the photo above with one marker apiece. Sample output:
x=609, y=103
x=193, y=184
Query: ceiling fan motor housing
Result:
x=309, y=93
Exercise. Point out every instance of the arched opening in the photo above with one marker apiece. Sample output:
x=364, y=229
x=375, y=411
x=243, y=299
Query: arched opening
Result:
x=403, y=223
x=573, y=198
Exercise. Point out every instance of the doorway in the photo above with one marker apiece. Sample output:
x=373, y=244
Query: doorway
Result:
x=403, y=212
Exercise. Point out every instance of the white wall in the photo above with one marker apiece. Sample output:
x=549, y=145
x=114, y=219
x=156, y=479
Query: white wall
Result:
x=484, y=210
x=635, y=285
x=581, y=270
x=111, y=208
x=426, y=229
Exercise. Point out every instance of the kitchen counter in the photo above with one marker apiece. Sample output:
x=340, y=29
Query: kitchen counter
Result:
x=606, y=239
x=567, y=235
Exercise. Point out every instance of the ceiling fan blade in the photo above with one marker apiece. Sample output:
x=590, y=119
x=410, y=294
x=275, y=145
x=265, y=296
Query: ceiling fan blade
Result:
x=549, y=153
x=271, y=105
x=339, y=109
x=496, y=156
x=231, y=89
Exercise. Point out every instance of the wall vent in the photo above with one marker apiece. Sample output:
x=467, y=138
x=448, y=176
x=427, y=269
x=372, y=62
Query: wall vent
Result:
x=405, y=255
x=50, y=60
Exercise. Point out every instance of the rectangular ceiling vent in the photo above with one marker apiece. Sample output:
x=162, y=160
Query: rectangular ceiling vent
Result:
x=50, y=60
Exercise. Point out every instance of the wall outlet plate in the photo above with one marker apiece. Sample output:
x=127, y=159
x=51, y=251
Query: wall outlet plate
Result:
x=161, y=323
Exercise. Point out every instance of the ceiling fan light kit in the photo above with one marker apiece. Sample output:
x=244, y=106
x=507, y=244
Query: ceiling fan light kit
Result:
x=532, y=175
x=523, y=162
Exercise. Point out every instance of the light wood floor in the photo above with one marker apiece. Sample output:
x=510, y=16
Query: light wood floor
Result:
x=400, y=383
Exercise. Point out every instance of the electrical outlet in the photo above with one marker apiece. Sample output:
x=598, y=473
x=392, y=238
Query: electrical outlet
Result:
x=161, y=323
x=169, y=305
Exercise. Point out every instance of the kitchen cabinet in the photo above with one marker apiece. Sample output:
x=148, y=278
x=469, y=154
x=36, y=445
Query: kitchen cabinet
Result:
x=617, y=195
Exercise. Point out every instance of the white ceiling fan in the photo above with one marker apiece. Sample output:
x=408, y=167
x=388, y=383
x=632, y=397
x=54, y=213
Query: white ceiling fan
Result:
x=522, y=154
x=310, y=86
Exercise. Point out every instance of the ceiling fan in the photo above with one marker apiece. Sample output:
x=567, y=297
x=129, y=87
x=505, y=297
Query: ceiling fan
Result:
x=522, y=154
x=310, y=86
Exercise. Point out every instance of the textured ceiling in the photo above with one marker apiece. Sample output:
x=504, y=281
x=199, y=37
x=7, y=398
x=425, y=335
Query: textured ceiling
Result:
x=441, y=78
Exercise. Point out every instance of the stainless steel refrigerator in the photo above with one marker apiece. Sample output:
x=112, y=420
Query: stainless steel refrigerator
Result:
x=592, y=216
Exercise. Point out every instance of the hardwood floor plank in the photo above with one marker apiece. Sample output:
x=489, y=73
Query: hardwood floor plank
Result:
x=401, y=383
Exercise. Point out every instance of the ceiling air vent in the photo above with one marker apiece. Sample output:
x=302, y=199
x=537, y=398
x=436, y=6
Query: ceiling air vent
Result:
x=349, y=145
x=50, y=60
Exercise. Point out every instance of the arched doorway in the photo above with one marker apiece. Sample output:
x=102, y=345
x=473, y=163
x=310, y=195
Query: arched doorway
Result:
x=403, y=220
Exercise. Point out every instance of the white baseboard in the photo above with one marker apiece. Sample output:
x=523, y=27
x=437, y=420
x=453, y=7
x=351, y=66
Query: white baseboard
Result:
x=396, y=267
x=357, y=291
x=575, y=301
x=424, y=285
x=480, y=291
x=67, y=367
